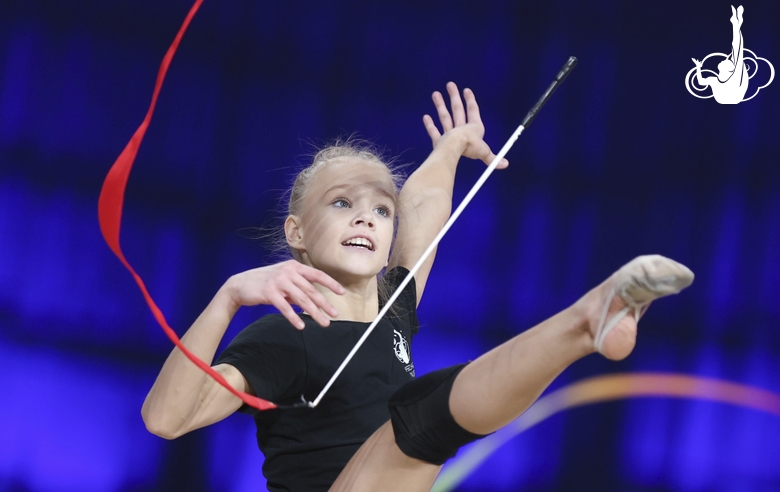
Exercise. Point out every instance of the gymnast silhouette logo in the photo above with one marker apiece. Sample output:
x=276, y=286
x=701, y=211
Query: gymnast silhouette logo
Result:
x=401, y=347
x=730, y=84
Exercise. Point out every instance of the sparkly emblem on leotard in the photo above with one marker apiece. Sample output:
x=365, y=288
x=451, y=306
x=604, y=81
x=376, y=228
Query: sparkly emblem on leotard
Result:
x=401, y=347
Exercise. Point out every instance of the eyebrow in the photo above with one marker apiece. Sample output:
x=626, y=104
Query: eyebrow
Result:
x=391, y=196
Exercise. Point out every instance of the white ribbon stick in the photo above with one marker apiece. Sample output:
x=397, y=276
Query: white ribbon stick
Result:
x=508, y=145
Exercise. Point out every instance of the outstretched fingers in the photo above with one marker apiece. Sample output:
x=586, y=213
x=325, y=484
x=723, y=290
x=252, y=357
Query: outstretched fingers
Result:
x=315, y=300
x=319, y=277
x=442, y=111
x=458, y=112
x=296, y=295
x=448, y=122
x=300, y=292
x=464, y=119
x=430, y=127
x=284, y=305
x=472, y=107
x=293, y=283
x=283, y=284
x=311, y=299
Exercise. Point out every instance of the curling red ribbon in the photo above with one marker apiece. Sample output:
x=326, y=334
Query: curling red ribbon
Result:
x=110, y=216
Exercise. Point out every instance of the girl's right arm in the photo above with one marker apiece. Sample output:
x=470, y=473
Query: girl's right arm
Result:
x=184, y=398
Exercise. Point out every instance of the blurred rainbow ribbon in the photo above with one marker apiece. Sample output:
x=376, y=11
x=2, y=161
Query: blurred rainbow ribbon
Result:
x=602, y=389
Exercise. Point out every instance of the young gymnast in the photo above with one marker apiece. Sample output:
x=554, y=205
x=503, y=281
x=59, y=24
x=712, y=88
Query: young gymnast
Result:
x=379, y=428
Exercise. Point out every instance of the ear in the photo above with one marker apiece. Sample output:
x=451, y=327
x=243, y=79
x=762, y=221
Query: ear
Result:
x=292, y=232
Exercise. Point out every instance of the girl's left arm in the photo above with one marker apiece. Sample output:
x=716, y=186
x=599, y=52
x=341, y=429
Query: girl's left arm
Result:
x=425, y=202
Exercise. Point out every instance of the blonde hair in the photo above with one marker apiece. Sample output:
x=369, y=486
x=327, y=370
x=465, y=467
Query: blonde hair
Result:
x=337, y=150
x=272, y=235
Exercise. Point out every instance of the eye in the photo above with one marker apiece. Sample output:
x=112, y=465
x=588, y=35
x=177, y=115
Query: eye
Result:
x=341, y=203
x=383, y=211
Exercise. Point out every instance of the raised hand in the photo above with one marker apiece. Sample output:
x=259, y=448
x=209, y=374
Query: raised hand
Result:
x=696, y=62
x=283, y=284
x=465, y=125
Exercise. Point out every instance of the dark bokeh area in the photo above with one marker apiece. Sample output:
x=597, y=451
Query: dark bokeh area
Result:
x=622, y=161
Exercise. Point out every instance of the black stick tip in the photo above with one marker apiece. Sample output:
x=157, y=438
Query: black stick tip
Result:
x=567, y=67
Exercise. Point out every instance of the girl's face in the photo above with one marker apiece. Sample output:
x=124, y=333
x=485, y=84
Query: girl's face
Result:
x=347, y=218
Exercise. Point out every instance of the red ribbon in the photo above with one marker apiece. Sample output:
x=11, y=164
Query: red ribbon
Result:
x=110, y=216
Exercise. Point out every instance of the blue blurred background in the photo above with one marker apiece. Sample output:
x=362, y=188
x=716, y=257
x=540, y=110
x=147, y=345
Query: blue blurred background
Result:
x=622, y=161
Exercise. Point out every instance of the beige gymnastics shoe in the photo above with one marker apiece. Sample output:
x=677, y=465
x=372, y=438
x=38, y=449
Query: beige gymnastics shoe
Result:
x=638, y=283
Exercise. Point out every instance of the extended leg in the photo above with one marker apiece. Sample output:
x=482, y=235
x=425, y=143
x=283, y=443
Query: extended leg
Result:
x=499, y=386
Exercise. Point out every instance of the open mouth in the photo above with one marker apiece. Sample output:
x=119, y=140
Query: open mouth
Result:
x=359, y=242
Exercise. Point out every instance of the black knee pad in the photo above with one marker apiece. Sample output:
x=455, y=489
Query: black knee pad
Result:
x=422, y=422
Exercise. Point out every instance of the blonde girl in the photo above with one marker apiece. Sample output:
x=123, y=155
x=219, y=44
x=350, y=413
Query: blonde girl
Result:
x=379, y=428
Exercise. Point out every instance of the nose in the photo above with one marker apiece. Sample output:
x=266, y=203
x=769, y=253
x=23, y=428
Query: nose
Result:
x=364, y=217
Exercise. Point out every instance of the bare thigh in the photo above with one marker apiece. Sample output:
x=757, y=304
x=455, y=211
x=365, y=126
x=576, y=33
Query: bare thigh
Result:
x=380, y=465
